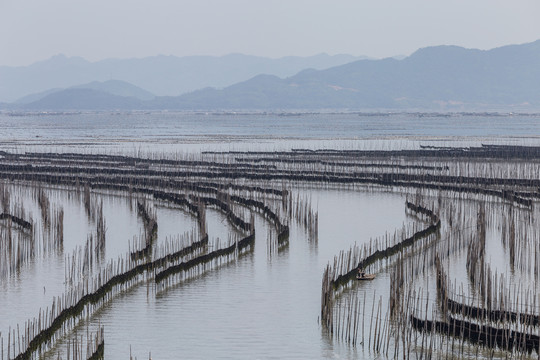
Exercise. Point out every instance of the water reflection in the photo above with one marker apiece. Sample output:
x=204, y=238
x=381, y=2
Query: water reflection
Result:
x=256, y=307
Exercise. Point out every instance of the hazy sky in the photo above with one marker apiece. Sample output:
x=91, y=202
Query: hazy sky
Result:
x=32, y=30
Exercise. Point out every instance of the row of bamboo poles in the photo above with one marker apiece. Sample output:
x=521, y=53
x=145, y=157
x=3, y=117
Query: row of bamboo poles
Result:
x=21, y=240
x=303, y=213
x=220, y=179
x=491, y=317
x=346, y=266
x=95, y=346
x=86, y=295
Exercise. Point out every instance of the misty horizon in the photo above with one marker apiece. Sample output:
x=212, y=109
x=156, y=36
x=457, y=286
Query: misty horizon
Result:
x=442, y=77
x=398, y=56
x=401, y=56
x=31, y=31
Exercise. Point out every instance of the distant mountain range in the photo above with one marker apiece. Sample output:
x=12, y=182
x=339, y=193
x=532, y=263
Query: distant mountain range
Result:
x=81, y=99
x=441, y=77
x=160, y=75
x=435, y=78
x=112, y=87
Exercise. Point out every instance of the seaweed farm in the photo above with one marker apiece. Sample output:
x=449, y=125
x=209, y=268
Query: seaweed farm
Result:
x=256, y=252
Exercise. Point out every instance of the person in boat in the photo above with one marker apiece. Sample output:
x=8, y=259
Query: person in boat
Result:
x=361, y=273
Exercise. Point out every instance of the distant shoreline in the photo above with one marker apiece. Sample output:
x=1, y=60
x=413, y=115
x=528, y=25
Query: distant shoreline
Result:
x=388, y=113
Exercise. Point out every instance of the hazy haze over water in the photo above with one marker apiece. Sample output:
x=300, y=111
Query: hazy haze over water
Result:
x=33, y=30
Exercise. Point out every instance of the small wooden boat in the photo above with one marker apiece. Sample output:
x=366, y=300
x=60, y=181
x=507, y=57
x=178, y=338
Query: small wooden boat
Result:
x=365, y=277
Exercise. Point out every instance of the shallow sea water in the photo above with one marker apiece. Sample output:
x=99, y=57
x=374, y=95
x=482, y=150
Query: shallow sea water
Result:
x=166, y=134
x=264, y=305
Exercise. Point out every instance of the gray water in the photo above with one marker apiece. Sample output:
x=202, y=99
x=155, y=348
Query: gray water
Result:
x=173, y=133
x=262, y=305
x=258, y=307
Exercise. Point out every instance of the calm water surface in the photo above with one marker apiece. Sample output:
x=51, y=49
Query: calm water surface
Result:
x=264, y=305
x=171, y=133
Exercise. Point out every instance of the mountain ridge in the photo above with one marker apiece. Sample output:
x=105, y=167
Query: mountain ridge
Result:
x=113, y=87
x=440, y=78
x=160, y=75
x=83, y=99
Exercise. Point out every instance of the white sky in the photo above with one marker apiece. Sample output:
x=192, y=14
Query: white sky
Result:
x=32, y=30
